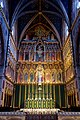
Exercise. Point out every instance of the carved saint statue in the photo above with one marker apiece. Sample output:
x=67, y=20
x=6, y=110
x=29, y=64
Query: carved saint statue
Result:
x=39, y=51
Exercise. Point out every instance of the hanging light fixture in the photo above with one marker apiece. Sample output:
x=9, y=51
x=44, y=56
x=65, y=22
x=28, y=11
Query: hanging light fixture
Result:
x=78, y=4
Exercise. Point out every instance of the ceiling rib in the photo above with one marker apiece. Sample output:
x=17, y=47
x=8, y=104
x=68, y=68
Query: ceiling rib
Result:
x=19, y=11
x=16, y=10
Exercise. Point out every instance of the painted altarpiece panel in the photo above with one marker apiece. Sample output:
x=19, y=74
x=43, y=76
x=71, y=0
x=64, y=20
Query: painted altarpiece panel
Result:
x=40, y=73
x=20, y=76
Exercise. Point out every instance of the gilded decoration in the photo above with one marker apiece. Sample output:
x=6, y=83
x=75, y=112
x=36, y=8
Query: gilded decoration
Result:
x=40, y=69
x=47, y=75
x=40, y=73
x=32, y=71
x=8, y=88
x=40, y=31
x=70, y=88
x=68, y=60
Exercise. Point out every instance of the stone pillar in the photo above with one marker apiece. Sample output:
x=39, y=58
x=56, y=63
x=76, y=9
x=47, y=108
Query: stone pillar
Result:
x=2, y=78
x=78, y=83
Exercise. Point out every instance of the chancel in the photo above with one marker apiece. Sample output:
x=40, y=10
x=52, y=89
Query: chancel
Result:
x=40, y=55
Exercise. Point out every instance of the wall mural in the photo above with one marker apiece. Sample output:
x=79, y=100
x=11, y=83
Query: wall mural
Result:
x=26, y=76
x=20, y=77
x=38, y=73
x=59, y=76
x=48, y=76
x=31, y=77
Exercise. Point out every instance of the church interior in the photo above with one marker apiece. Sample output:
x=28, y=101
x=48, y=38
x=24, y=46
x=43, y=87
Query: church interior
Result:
x=40, y=54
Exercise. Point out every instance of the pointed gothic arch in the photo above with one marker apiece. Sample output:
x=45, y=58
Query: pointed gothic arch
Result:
x=20, y=7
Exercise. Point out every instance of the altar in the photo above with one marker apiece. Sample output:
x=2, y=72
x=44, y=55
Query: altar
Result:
x=41, y=111
x=40, y=103
x=41, y=114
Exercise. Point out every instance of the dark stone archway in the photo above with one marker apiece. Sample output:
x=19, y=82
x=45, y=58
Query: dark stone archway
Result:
x=1, y=48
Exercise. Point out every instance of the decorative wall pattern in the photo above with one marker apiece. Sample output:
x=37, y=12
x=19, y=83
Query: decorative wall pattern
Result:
x=68, y=60
x=69, y=72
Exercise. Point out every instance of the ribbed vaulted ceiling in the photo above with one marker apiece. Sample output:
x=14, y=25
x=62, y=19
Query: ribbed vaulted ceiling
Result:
x=28, y=13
